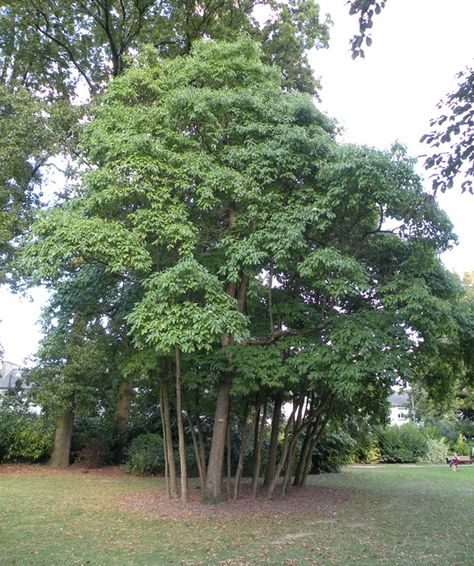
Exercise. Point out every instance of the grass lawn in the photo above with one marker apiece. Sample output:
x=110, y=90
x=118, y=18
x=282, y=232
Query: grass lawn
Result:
x=392, y=515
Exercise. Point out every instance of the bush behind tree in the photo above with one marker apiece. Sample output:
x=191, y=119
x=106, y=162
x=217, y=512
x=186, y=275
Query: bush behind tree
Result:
x=335, y=449
x=402, y=444
x=24, y=436
x=437, y=451
x=145, y=455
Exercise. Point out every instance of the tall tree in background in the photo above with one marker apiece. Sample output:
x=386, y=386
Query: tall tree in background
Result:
x=54, y=54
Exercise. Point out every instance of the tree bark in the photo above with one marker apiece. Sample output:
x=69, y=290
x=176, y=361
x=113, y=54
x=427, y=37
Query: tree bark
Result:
x=122, y=415
x=281, y=463
x=272, y=451
x=246, y=434
x=181, y=439
x=229, y=462
x=305, y=454
x=124, y=402
x=167, y=473
x=167, y=439
x=258, y=406
x=213, y=489
x=197, y=454
x=62, y=440
x=258, y=452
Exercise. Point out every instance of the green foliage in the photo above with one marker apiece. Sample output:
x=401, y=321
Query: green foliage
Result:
x=333, y=451
x=24, y=436
x=145, y=455
x=461, y=447
x=452, y=139
x=186, y=306
x=437, y=450
x=402, y=444
x=367, y=450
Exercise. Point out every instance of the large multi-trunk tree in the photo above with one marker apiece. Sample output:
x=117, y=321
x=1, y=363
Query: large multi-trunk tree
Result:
x=223, y=199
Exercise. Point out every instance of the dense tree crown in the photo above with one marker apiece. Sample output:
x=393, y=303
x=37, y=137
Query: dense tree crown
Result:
x=54, y=55
x=255, y=252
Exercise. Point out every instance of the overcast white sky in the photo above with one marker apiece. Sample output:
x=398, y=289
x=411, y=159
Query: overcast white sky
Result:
x=418, y=47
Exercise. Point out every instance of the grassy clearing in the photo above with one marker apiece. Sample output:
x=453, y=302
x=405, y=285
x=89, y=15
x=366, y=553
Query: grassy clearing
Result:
x=395, y=515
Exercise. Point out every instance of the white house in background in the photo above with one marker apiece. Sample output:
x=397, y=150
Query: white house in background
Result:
x=10, y=375
x=399, y=408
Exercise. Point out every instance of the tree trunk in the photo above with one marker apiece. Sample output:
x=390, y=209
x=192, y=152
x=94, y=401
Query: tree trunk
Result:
x=197, y=454
x=281, y=463
x=316, y=437
x=202, y=450
x=258, y=406
x=213, y=489
x=305, y=454
x=122, y=415
x=229, y=462
x=181, y=439
x=167, y=473
x=246, y=434
x=290, y=461
x=258, y=452
x=272, y=451
x=167, y=439
x=62, y=439
x=124, y=402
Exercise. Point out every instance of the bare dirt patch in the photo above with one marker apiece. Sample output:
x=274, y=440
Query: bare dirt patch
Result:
x=299, y=501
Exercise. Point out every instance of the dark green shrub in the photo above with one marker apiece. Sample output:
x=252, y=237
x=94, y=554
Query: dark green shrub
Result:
x=145, y=456
x=402, y=444
x=92, y=442
x=334, y=450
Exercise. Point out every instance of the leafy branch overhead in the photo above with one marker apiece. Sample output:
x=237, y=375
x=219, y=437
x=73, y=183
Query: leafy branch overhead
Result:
x=452, y=137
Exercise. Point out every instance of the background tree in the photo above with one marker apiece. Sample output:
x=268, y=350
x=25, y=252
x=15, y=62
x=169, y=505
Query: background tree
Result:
x=54, y=56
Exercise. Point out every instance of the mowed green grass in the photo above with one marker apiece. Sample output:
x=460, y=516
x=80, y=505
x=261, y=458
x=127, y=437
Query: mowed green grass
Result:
x=393, y=515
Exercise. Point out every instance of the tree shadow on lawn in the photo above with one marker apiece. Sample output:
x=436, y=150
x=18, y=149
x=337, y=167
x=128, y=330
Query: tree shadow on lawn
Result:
x=306, y=500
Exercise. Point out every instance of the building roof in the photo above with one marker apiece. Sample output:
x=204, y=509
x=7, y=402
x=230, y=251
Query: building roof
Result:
x=399, y=400
x=11, y=379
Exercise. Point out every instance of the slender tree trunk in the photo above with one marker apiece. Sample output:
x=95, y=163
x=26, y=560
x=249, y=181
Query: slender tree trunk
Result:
x=181, y=438
x=202, y=451
x=299, y=426
x=281, y=463
x=258, y=452
x=62, y=440
x=229, y=462
x=290, y=461
x=258, y=406
x=197, y=454
x=165, y=452
x=273, y=448
x=246, y=434
x=168, y=441
x=213, y=489
x=316, y=437
x=305, y=450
